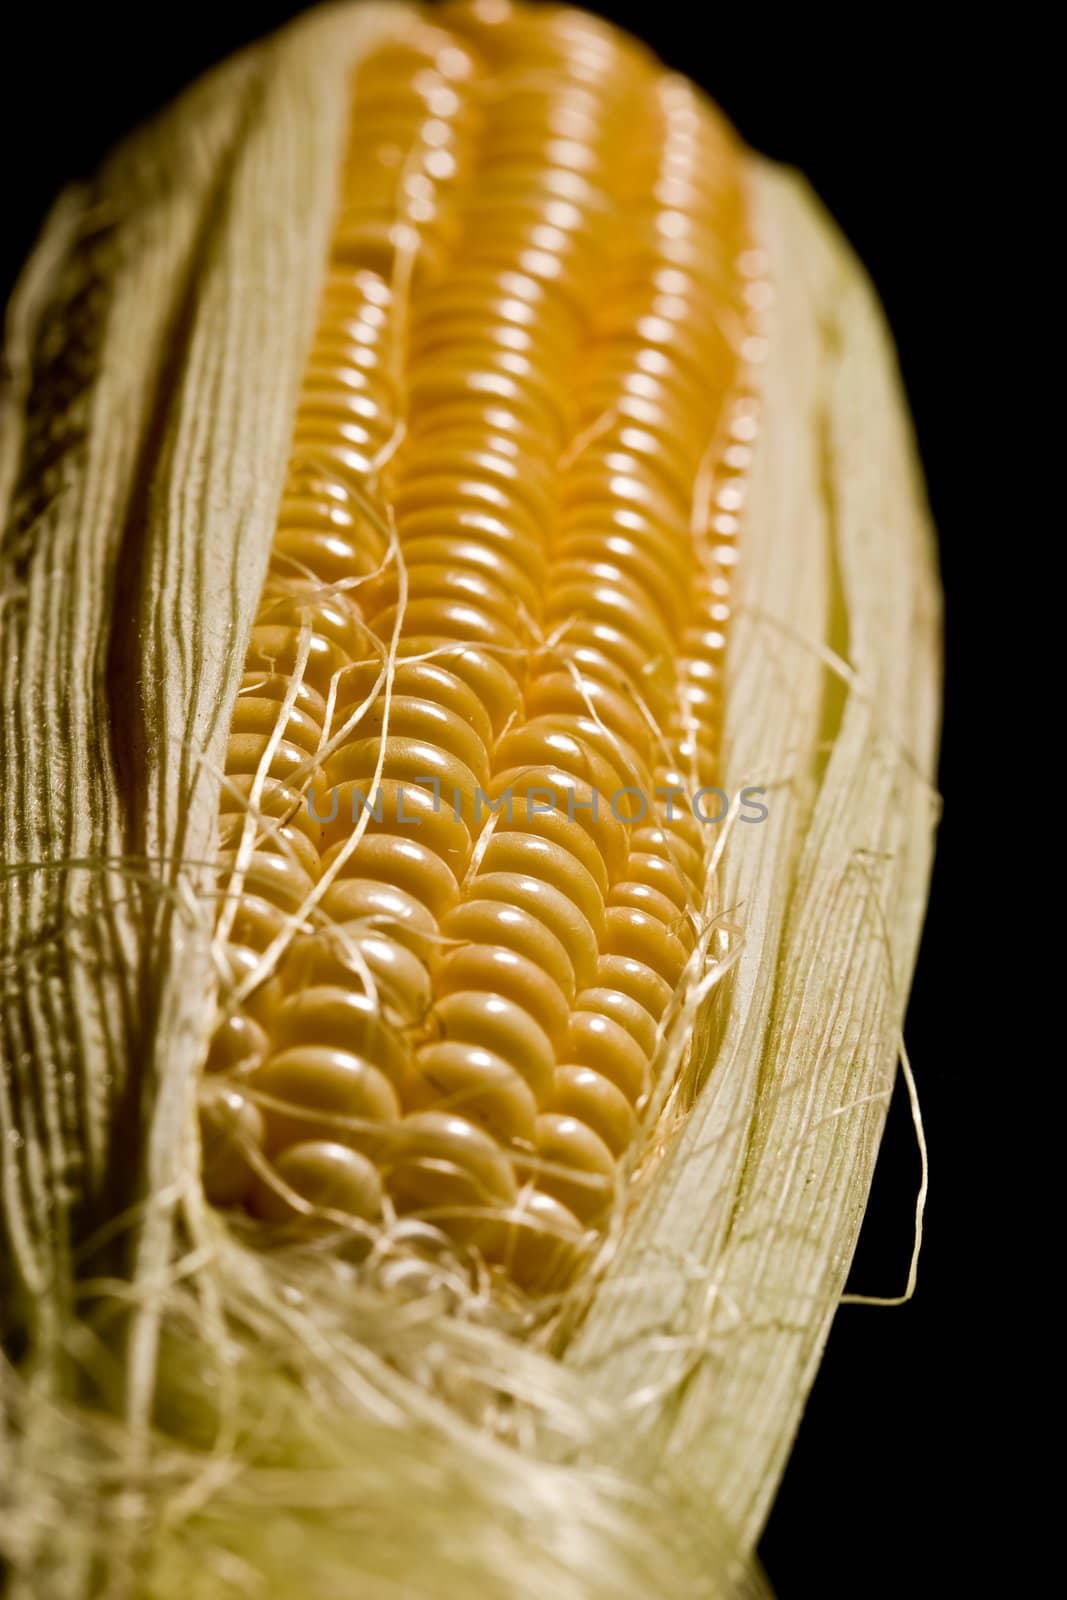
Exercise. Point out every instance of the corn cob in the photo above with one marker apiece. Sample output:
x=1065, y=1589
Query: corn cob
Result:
x=441, y=398
x=529, y=370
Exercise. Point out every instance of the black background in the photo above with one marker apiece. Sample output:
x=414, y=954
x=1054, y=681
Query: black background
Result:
x=877, y=1498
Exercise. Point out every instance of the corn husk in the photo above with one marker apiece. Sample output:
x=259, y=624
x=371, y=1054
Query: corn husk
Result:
x=183, y=1413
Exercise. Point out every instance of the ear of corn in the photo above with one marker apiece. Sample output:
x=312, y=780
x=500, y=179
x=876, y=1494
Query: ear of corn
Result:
x=466, y=504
